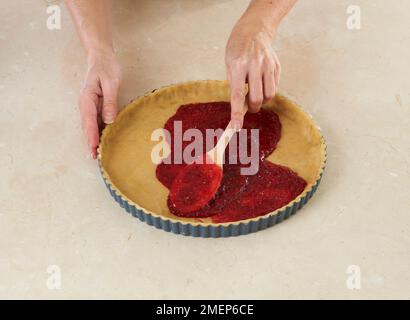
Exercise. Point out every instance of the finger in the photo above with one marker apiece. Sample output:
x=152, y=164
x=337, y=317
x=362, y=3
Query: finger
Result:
x=88, y=110
x=110, y=95
x=277, y=75
x=269, y=85
x=237, y=79
x=255, y=95
x=278, y=70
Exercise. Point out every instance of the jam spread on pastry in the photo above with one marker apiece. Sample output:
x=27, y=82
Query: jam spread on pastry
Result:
x=192, y=186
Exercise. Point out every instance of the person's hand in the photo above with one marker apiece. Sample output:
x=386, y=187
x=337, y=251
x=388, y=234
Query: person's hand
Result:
x=98, y=97
x=250, y=59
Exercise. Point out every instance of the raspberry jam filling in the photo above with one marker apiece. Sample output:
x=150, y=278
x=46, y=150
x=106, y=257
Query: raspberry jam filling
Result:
x=194, y=186
x=201, y=191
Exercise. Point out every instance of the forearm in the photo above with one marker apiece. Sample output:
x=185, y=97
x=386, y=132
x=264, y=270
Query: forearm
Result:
x=93, y=22
x=267, y=14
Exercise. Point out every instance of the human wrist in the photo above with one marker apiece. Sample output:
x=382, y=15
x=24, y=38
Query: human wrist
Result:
x=99, y=52
x=262, y=17
x=252, y=24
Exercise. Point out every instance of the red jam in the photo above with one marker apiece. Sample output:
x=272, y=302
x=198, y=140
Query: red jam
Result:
x=239, y=196
x=194, y=186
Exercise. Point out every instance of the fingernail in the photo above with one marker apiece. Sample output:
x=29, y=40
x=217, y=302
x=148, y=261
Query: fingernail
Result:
x=91, y=155
x=109, y=118
x=236, y=125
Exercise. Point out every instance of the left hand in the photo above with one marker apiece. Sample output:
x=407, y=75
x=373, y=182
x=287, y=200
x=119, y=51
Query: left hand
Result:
x=250, y=58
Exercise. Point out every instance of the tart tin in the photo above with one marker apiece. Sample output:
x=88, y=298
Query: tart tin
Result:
x=212, y=230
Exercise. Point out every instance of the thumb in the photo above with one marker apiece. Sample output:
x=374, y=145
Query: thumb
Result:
x=110, y=106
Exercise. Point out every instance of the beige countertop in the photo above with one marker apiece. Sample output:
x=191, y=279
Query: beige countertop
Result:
x=55, y=210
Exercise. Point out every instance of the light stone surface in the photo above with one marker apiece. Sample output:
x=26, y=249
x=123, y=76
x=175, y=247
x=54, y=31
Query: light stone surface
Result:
x=55, y=210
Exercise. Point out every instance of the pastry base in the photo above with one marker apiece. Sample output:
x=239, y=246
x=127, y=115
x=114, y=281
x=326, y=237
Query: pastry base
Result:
x=125, y=151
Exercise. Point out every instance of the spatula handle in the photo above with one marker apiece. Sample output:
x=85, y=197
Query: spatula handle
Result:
x=217, y=153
